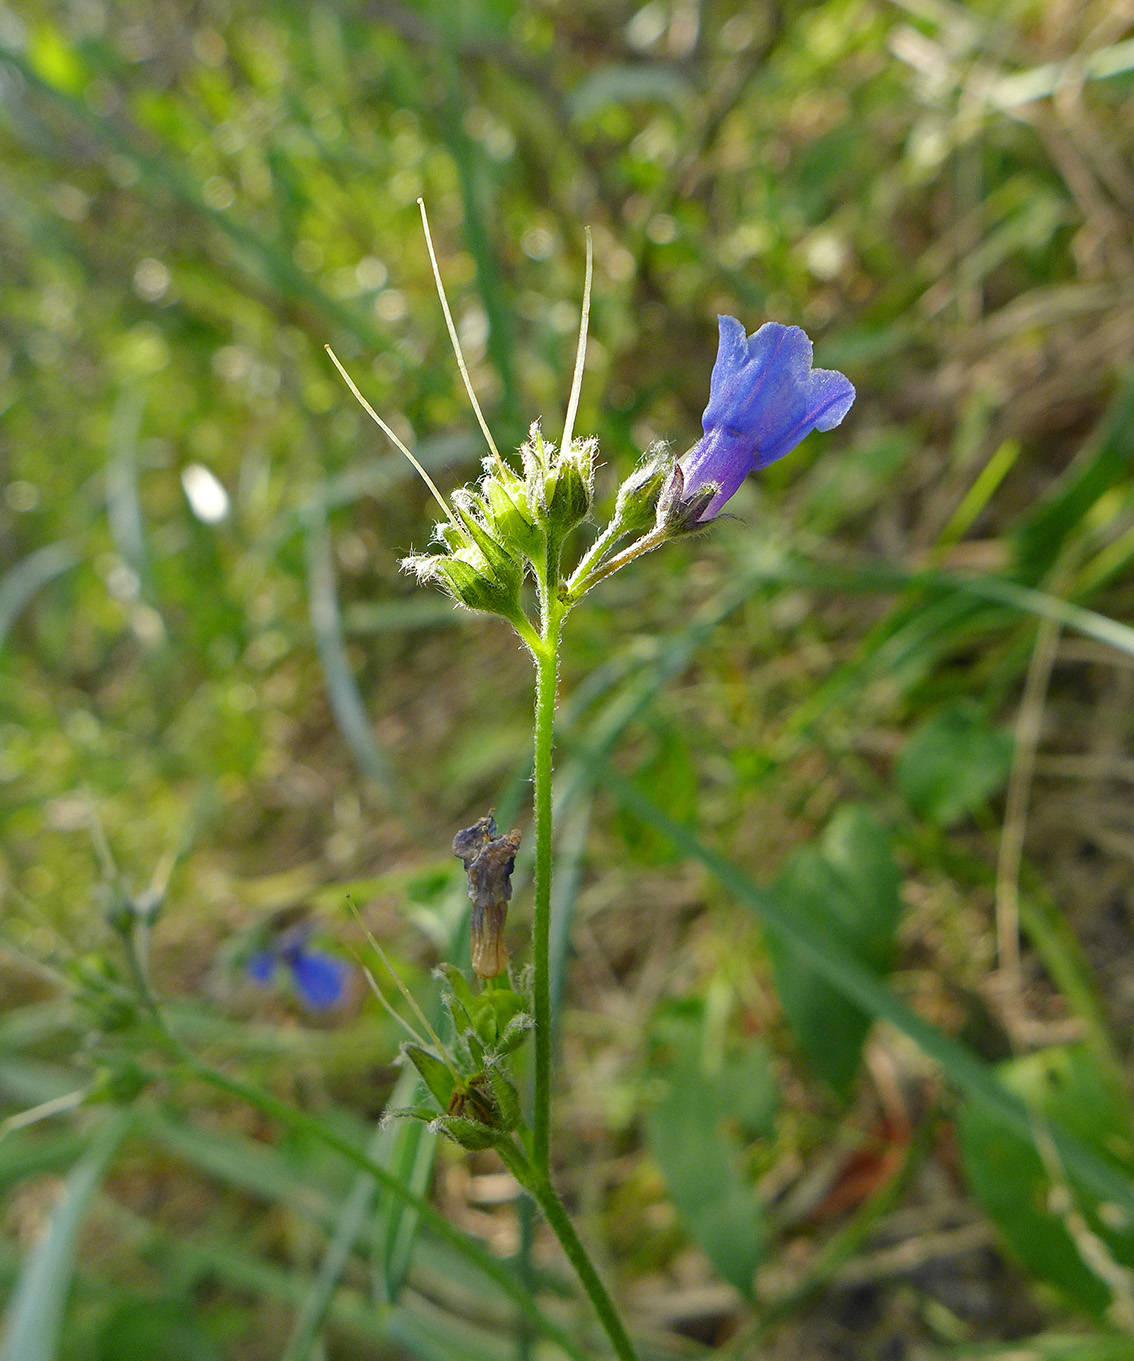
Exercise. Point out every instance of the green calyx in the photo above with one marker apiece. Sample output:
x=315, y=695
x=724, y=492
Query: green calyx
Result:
x=470, y=581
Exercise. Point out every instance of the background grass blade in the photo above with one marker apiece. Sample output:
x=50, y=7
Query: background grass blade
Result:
x=342, y=691
x=35, y=1314
x=20, y=583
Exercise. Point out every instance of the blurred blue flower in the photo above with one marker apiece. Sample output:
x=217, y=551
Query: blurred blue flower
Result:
x=319, y=978
x=764, y=397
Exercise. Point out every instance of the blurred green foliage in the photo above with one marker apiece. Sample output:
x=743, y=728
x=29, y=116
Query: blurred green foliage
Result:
x=216, y=687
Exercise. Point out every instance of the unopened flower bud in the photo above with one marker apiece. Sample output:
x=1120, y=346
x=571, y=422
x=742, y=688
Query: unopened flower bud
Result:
x=508, y=510
x=569, y=490
x=503, y=564
x=636, y=507
x=119, y=909
x=472, y=1135
x=118, y=1083
x=468, y=579
x=536, y=457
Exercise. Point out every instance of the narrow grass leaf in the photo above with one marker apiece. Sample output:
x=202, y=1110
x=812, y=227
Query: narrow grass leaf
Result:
x=1043, y=533
x=21, y=582
x=408, y=1149
x=342, y=691
x=123, y=503
x=1001, y=590
x=320, y=1295
x=299, y=1121
x=35, y=1315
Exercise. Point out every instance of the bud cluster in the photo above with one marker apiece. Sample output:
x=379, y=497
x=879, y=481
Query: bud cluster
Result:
x=512, y=525
x=764, y=398
x=478, y=1105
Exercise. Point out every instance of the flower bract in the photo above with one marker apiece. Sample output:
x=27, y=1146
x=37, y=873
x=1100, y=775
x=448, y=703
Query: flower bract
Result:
x=764, y=397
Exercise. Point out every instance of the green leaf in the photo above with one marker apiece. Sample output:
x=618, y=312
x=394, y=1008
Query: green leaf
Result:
x=613, y=84
x=20, y=583
x=504, y=1090
x=693, y=1133
x=847, y=887
x=671, y=777
x=342, y=690
x=1042, y=535
x=953, y=764
x=406, y=1149
x=1052, y=1347
x=1053, y=1223
x=139, y=1330
x=35, y=1315
x=849, y=976
x=434, y=1073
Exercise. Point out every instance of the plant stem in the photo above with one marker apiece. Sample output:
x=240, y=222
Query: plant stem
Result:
x=300, y=1122
x=547, y=677
x=579, y=584
x=539, y=1187
x=595, y=554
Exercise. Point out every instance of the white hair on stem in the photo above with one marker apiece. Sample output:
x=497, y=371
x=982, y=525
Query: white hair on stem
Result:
x=389, y=433
x=580, y=353
x=453, y=334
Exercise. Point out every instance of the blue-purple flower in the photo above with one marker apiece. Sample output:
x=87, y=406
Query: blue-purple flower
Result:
x=764, y=397
x=320, y=979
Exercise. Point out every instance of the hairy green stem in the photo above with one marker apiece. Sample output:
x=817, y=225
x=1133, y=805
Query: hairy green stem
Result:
x=547, y=677
x=579, y=584
x=595, y=554
x=539, y=1187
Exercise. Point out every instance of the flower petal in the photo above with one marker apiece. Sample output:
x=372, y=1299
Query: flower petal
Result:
x=732, y=351
x=319, y=979
x=764, y=398
x=834, y=393
x=261, y=966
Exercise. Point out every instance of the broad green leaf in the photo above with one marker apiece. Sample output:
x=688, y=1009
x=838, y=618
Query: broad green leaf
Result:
x=850, y=977
x=695, y=1133
x=1053, y=1223
x=846, y=886
x=953, y=764
x=139, y=1330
